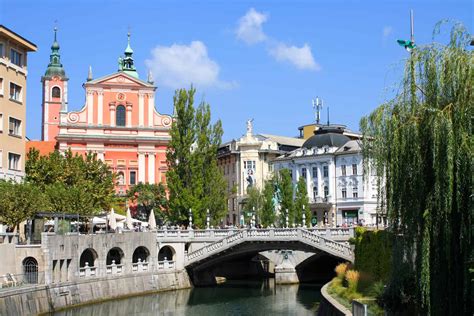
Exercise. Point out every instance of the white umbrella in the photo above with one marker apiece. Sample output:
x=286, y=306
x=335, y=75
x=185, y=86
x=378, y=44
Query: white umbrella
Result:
x=98, y=220
x=152, y=220
x=112, y=220
x=129, y=219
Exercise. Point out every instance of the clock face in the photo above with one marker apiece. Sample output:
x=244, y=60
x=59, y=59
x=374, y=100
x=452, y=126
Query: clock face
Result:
x=56, y=78
x=120, y=97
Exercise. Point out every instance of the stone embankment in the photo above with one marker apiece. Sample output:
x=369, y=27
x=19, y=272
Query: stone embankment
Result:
x=43, y=299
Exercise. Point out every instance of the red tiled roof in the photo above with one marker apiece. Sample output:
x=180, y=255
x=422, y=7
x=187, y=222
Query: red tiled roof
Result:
x=44, y=147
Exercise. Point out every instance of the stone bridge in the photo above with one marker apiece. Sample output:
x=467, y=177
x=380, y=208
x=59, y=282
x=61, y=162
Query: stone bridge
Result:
x=207, y=248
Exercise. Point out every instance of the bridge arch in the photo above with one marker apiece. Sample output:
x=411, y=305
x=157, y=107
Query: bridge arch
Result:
x=115, y=255
x=167, y=253
x=141, y=253
x=88, y=256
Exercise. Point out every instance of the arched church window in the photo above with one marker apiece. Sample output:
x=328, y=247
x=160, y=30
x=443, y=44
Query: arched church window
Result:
x=120, y=116
x=56, y=93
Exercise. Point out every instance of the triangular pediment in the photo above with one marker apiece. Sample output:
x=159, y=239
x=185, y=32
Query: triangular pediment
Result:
x=119, y=78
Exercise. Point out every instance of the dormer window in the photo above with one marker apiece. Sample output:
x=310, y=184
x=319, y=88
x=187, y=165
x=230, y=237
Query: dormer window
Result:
x=120, y=116
x=56, y=92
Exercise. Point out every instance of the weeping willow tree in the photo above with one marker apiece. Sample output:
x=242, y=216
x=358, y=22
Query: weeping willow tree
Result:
x=420, y=144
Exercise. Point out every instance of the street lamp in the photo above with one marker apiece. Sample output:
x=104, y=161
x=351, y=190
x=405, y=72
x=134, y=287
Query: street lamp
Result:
x=190, y=227
x=207, y=219
x=287, y=222
x=409, y=45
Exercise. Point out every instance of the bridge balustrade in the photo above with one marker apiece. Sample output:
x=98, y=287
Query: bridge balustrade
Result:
x=87, y=271
x=314, y=238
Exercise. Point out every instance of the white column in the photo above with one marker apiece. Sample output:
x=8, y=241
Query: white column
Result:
x=90, y=107
x=100, y=155
x=46, y=91
x=129, y=115
x=141, y=167
x=100, y=108
x=309, y=179
x=151, y=168
x=320, y=180
x=331, y=170
x=112, y=113
x=141, y=108
x=151, y=106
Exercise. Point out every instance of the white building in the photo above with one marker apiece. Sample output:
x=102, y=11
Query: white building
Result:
x=331, y=163
x=246, y=162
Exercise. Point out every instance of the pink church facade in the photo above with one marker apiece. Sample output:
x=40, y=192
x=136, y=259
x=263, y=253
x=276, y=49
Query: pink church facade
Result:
x=119, y=121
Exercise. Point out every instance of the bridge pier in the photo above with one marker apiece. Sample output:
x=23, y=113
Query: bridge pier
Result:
x=285, y=273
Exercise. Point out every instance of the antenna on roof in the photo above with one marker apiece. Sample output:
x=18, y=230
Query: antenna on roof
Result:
x=328, y=115
x=317, y=106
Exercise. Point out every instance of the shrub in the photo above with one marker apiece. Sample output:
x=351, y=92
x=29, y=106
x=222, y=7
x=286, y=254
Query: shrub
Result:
x=352, y=278
x=341, y=270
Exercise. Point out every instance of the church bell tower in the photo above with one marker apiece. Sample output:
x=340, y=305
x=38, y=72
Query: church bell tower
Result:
x=54, y=93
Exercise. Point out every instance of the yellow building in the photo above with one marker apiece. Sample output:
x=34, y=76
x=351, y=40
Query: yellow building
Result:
x=13, y=73
x=308, y=130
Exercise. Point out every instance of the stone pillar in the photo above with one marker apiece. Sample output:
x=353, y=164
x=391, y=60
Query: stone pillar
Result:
x=90, y=107
x=100, y=108
x=141, y=105
x=141, y=167
x=151, y=106
x=151, y=168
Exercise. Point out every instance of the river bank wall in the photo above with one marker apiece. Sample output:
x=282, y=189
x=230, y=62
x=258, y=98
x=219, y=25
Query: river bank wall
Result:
x=44, y=299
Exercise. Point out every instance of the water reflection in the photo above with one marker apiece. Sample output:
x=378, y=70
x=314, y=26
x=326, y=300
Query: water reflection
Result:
x=232, y=298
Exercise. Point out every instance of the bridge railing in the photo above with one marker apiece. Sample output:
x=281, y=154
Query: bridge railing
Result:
x=332, y=233
x=286, y=234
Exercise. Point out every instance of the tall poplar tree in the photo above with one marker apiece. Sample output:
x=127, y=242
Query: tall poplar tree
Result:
x=267, y=216
x=285, y=184
x=421, y=144
x=194, y=180
x=301, y=203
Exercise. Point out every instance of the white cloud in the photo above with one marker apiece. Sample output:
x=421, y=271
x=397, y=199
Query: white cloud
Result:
x=178, y=66
x=301, y=57
x=249, y=29
x=387, y=30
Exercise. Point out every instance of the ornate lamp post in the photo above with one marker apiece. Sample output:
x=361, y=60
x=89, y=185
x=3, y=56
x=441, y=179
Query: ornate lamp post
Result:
x=253, y=221
x=286, y=218
x=207, y=219
x=190, y=227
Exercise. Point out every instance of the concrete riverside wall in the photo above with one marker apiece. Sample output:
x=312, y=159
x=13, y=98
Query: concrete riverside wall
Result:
x=42, y=299
x=330, y=306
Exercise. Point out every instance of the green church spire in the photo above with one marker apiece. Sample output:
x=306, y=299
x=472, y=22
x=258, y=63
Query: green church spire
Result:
x=126, y=63
x=55, y=68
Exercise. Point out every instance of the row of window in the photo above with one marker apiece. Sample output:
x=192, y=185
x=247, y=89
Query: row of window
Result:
x=15, y=91
x=15, y=56
x=13, y=161
x=132, y=179
x=355, y=192
x=326, y=171
x=14, y=126
x=315, y=172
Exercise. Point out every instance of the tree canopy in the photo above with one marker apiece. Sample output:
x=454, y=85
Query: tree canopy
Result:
x=73, y=183
x=421, y=144
x=194, y=180
x=149, y=197
x=20, y=201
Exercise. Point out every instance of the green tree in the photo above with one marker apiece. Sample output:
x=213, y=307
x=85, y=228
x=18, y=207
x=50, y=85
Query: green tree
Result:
x=149, y=197
x=19, y=202
x=253, y=204
x=421, y=146
x=73, y=183
x=285, y=184
x=301, y=203
x=194, y=179
x=267, y=214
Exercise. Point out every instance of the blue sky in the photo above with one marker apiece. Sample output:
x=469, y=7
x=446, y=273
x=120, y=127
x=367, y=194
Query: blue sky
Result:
x=264, y=60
